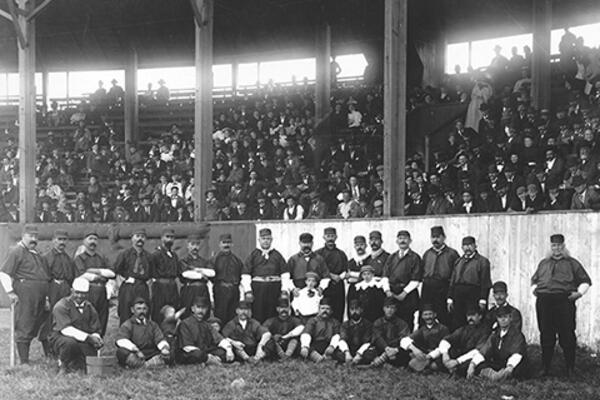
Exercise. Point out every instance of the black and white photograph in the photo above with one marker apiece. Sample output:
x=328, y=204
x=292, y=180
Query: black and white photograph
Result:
x=300, y=199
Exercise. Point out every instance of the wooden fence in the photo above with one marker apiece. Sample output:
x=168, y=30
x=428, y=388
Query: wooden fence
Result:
x=514, y=243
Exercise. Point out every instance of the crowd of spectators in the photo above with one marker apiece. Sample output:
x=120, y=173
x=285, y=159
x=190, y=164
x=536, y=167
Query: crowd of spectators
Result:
x=268, y=163
x=508, y=156
x=271, y=162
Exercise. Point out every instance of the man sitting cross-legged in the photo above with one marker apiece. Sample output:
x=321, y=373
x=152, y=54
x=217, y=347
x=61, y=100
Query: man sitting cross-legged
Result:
x=321, y=334
x=76, y=329
x=247, y=336
x=199, y=342
x=387, y=332
x=355, y=337
x=140, y=342
x=459, y=347
x=285, y=330
x=504, y=354
x=424, y=342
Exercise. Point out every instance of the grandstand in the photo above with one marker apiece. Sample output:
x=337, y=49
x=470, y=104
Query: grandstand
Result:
x=513, y=141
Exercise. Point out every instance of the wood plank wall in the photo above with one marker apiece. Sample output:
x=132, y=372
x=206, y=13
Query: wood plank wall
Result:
x=514, y=244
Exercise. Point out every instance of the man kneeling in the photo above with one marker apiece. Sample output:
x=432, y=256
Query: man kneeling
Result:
x=355, y=337
x=285, y=330
x=504, y=354
x=321, y=334
x=424, y=342
x=140, y=341
x=387, y=333
x=459, y=347
x=76, y=329
x=247, y=336
x=199, y=341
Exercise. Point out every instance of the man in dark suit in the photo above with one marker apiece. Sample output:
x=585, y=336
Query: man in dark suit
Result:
x=488, y=202
x=585, y=197
x=469, y=205
x=502, y=195
x=554, y=166
x=318, y=208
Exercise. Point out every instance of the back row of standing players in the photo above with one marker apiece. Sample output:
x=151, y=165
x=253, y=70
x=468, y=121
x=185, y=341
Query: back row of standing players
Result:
x=451, y=284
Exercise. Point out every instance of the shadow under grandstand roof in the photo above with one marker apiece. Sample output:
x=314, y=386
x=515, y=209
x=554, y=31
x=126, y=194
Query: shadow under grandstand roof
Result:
x=98, y=34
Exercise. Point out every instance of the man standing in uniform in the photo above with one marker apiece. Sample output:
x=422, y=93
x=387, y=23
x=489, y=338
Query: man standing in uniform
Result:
x=559, y=281
x=402, y=274
x=92, y=266
x=378, y=255
x=301, y=263
x=228, y=275
x=261, y=277
x=133, y=265
x=337, y=263
x=354, y=266
x=25, y=278
x=195, y=275
x=164, y=269
x=62, y=272
x=470, y=283
x=438, y=263
x=76, y=330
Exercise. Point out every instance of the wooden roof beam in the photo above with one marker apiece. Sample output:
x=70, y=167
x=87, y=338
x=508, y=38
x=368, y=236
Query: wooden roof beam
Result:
x=5, y=14
x=14, y=11
x=38, y=9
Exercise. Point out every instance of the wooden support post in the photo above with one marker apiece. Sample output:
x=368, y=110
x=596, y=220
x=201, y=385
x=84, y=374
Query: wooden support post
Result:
x=541, y=89
x=45, y=88
x=394, y=104
x=131, y=105
x=203, y=115
x=27, y=128
x=323, y=84
x=235, y=68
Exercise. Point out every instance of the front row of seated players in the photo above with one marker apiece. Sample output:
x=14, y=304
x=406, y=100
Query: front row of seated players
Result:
x=474, y=349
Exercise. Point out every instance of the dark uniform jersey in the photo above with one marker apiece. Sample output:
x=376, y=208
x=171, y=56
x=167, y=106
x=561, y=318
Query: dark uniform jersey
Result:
x=257, y=265
x=278, y=326
x=428, y=338
x=355, y=334
x=250, y=335
x=228, y=268
x=194, y=332
x=164, y=264
x=322, y=329
x=388, y=332
x=299, y=264
x=144, y=334
x=473, y=271
x=60, y=265
x=24, y=264
x=131, y=264
x=66, y=313
x=377, y=261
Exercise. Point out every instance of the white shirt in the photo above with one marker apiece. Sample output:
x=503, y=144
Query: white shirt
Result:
x=354, y=119
x=305, y=305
